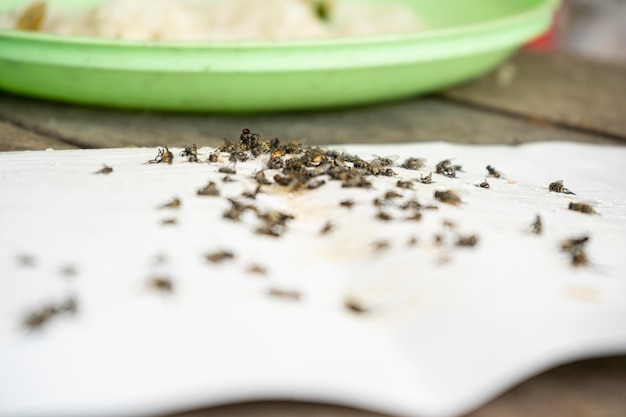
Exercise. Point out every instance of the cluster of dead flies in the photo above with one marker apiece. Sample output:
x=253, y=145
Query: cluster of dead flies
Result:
x=307, y=168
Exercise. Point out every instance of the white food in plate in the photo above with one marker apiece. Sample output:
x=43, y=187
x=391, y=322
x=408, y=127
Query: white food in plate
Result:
x=223, y=20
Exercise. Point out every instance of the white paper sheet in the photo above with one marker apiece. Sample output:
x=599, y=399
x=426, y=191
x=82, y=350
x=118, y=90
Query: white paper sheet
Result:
x=447, y=329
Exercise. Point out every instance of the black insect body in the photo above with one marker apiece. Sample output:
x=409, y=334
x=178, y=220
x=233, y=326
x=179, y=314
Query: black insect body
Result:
x=163, y=155
x=105, y=170
x=285, y=294
x=537, y=226
x=248, y=140
x=467, y=241
x=448, y=169
x=427, y=179
x=582, y=207
x=575, y=247
x=161, y=283
x=558, y=187
x=172, y=204
x=355, y=306
x=209, y=190
x=492, y=172
x=191, y=152
x=413, y=163
x=219, y=256
x=448, y=197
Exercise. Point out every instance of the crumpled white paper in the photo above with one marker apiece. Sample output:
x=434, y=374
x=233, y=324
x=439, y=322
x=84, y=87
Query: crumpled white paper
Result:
x=447, y=327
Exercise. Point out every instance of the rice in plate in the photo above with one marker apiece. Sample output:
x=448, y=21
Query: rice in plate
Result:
x=217, y=20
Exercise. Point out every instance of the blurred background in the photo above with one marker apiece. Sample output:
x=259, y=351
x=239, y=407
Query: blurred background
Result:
x=593, y=28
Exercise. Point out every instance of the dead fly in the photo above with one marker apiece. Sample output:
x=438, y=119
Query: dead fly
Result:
x=213, y=157
x=160, y=283
x=252, y=194
x=355, y=306
x=228, y=170
x=411, y=204
x=293, y=148
x=257, y=269
x=219, y=256
x=569, y=244
x=228, y=147
x=191, y=152
x=446, y=168
x=37, y=319
x=582, y=207
x=492, y=172
x=236, y=210
x=260, y=149
x=467, y=241
x=26, y=260
x=360, y=164
x=356, y=182
x=169, y=221
x=380, y=245
x=347, y=203
x=537, y=226
x=275, y=163
x=261, y=179
x=228, y=178
x=413, y=163
x=448, y=224
x=238, y=156
x=163, y=155
x=379, y=202
x=283, y=180
x=381, y=215
x=558, y=187
x=448, y=197
x=328, y=227
x=390, y=195
x=576, y=248
x=277, y=153
x=247, y=140
x=416, y=216
x=286, y=294
x=210, y=189
x=104, y=170
x=386, y=172
x=483, y=184
x=173, y=204
x=381, y=161
x=408, y=185
x=275, y=223
x=428, y=179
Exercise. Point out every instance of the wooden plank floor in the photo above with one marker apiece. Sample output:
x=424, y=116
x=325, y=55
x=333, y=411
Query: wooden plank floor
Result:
x=545, y=97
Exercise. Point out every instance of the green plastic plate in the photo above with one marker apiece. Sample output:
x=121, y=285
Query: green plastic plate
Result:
x=463, y=39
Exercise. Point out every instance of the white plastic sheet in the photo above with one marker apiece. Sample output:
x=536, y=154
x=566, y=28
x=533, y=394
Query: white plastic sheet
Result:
x=447, y=327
